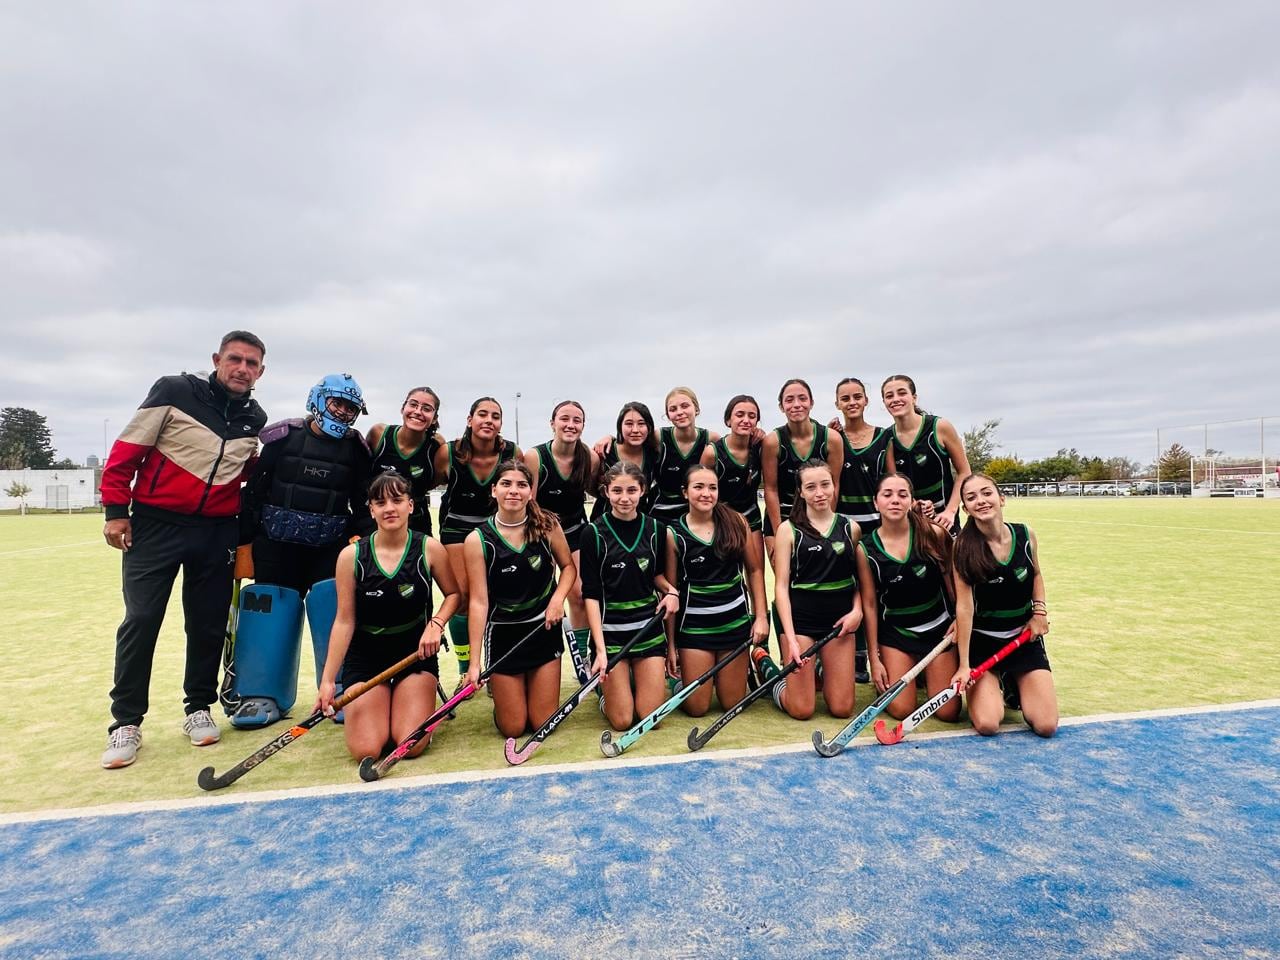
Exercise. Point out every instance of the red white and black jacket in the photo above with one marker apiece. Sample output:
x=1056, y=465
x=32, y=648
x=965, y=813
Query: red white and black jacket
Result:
x=185, y=452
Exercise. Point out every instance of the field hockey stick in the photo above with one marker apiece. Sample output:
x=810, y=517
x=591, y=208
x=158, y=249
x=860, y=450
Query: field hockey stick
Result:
x=612, y=748
x=372, y=769
x=226, y=692
x=697, y=741
x=516, y=756
x=580, y=669
x=208, y=780
x=836, y=745
x=932, y=706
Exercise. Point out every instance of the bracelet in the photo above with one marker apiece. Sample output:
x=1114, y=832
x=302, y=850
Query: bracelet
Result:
x=438, y=622
x=672, y=593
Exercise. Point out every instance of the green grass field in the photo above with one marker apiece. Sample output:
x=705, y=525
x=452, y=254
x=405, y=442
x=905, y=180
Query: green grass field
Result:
x=1154, y=603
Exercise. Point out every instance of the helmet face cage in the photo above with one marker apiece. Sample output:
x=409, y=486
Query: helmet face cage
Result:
x=336, y=386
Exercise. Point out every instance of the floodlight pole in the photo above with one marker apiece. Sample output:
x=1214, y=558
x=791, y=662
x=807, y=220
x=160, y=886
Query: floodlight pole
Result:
x=517, y=418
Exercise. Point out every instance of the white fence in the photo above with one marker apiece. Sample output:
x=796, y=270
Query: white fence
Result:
x=50, y=489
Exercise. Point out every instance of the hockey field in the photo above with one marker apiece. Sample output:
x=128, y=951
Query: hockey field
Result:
x=1142, y=837
x=1153, y=836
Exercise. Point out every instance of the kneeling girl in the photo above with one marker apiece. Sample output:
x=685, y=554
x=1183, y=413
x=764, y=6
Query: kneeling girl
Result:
x=814, y=572
x=713, y=560
x=624, y=586
x=999, y=591
x=384, y=613
x=512, y=559
x=904, y=569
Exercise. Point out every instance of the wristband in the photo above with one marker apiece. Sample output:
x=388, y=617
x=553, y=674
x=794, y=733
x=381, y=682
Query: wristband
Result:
x=437, y=622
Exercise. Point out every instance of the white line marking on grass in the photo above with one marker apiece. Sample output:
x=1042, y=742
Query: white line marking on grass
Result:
x=584, y=767
x=52, y=546
x=1158, y=526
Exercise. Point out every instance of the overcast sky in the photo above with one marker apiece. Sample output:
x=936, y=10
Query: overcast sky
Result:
x=1065, y=217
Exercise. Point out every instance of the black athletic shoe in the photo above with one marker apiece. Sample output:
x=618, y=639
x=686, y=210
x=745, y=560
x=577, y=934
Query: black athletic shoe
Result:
x=860, y=674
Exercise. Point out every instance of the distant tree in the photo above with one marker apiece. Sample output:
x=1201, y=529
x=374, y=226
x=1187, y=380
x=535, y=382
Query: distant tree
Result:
x=24, y=440
x=1006, y=470
x=66, y=463
x=21, y=491
x=1094, y=469
x=980, y=445
x=1175, y=463
x=1063, y=465
x=1122, y=468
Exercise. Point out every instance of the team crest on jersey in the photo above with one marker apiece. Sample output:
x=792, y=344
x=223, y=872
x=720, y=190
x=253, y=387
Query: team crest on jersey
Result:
x=921, y=458
x=1021, y=573
x=415, y=471
x=919, y=569
x=838, y=547
x=535, y=563
x=643, y=563
x=406, y=590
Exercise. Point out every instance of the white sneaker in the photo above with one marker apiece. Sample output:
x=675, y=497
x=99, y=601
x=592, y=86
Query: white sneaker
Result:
x=122, y=747
x=199, y=726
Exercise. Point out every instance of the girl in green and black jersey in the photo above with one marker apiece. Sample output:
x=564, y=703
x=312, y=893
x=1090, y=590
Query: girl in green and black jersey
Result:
x=735, y=457
x=624, y=586
x=468, y=466
x=904, y=571
x=564, y=469
x=409, y=449
x=635, y=441
x=814, y=575
x=927, y=450
x=798, y=441
x=384, y=614
x=512, y=559
x=999, y=591
x=680, y=446
x=865, y=458
x=714, y=563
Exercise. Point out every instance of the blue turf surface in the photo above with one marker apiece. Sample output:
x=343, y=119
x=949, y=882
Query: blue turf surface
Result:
x=1147, y=838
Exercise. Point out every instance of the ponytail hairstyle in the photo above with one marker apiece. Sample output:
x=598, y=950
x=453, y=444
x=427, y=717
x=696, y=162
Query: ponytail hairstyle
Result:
x=786, y=425
x=729, y=541
x=909, y=382
x=435, y=420
x=928, y=541
x=972, y=558
x=538, y=523
x=651, y=441
x=463, y=450
x=740, y=398
x=799, y=509
x=387, y=485
x=581, y=469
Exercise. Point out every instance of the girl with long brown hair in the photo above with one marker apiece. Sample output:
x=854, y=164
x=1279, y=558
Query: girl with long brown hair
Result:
x=469, y=465
x=512, y=561
x=714, y=563
x=999, y=591
x=904, y=574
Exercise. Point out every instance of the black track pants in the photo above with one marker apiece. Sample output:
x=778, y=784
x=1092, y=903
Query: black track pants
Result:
x=206, y=555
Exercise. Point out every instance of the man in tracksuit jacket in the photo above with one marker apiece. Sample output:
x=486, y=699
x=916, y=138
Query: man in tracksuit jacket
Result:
x=171, y=492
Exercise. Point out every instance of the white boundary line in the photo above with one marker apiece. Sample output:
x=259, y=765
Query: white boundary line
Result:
x=52, y=546
x=584, y=767
x=1158, y=527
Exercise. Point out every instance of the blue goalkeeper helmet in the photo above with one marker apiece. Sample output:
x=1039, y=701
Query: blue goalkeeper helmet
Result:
x=336, y=386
